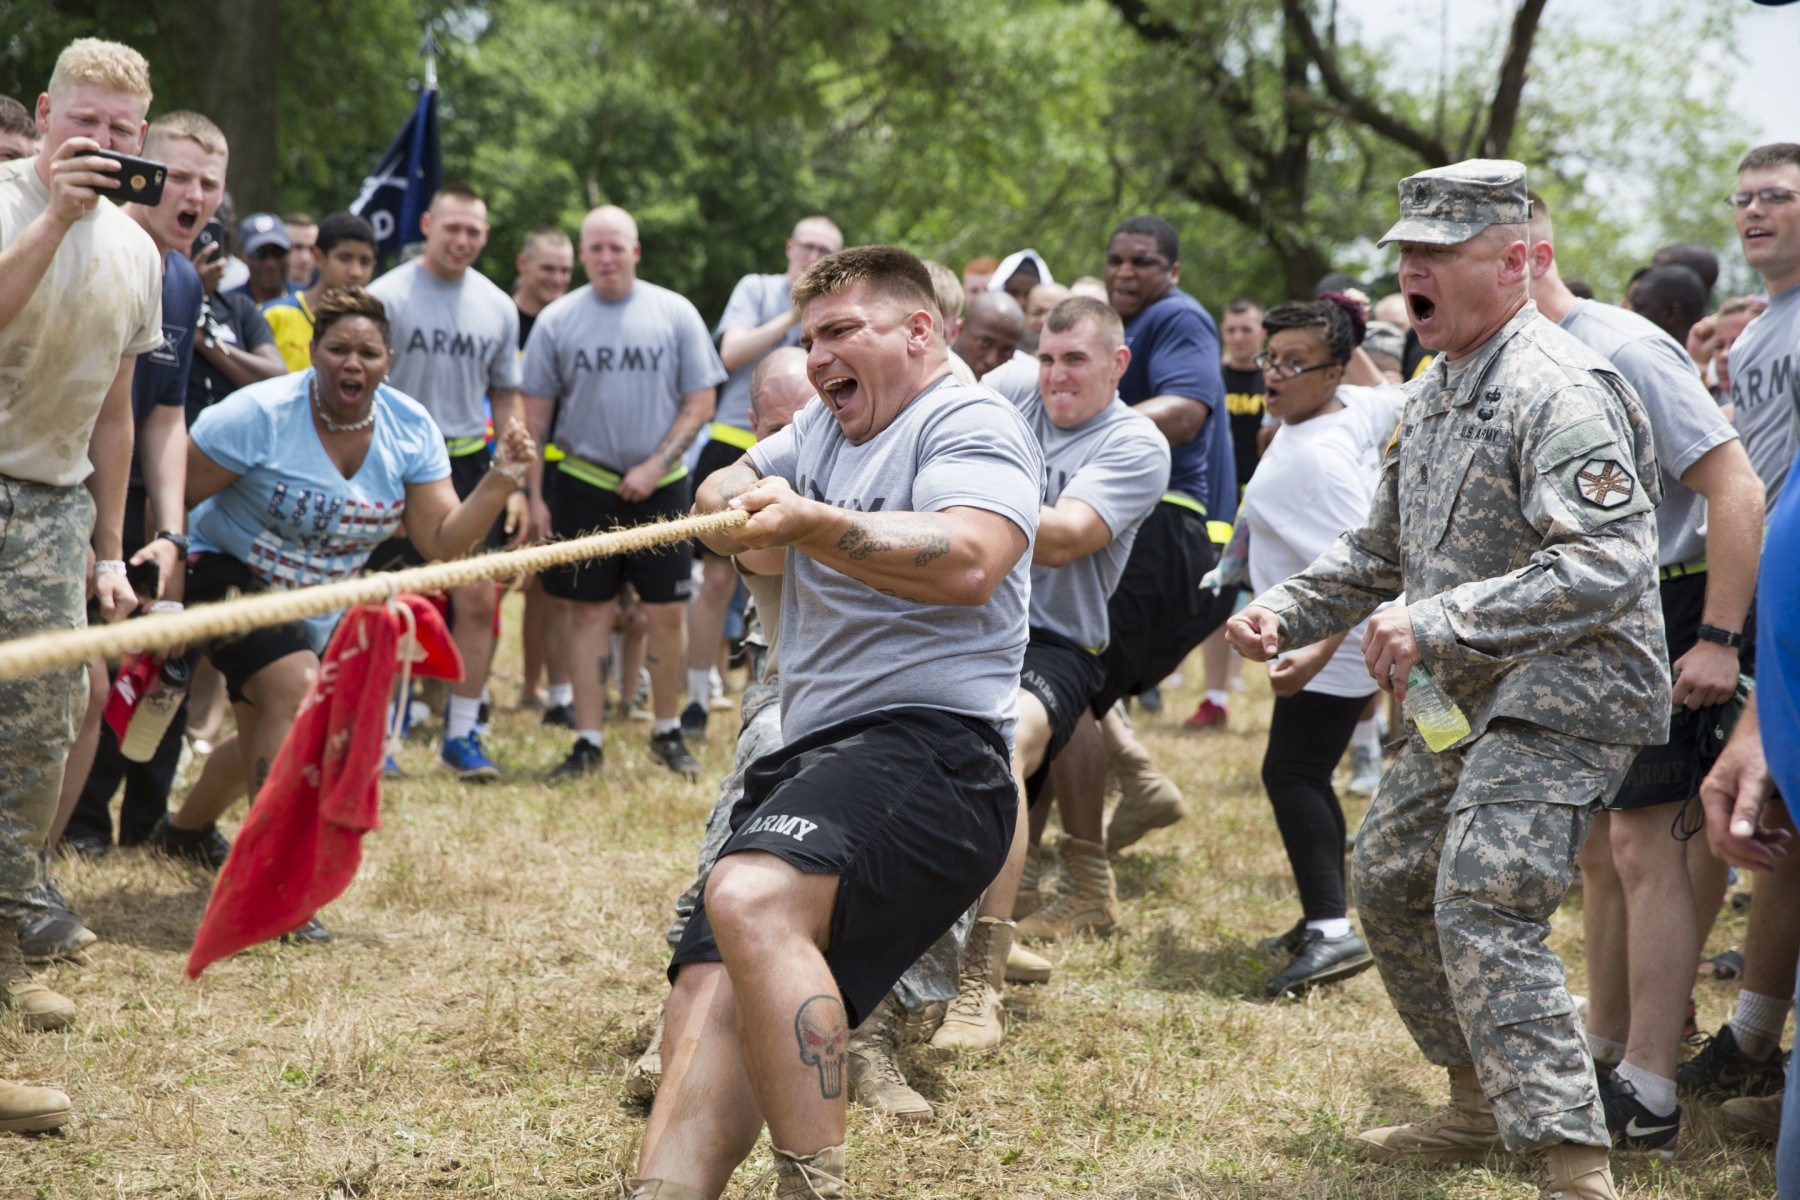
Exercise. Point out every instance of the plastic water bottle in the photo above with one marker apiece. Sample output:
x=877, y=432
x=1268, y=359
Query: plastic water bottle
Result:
x=1441, y=723
x=150, y=719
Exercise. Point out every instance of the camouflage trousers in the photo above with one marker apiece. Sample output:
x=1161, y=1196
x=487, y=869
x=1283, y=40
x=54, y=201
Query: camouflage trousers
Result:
x=44, y=535
x=933, y=977
x=1459, y=865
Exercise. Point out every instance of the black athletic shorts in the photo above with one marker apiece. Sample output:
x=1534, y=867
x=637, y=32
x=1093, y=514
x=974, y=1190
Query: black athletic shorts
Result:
x=466, y=473
x=577, y=509
x=1671, y=773
x=714, y=456
x=1158, y=613
x=1065, y=678
x=213, y=577
x=912, y=808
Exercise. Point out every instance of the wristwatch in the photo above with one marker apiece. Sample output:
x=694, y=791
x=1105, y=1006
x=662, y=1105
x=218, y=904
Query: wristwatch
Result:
x=169, y=535
x=1724, y=637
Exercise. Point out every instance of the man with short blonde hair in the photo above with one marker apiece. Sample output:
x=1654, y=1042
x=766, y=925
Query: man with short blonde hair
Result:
x=80, y=299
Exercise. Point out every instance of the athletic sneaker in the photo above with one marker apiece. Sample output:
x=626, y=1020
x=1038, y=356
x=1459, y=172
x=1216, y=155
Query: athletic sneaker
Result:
x=207, y=847
x=1285, y=943
x=693, y=720
x=672, y=752
x=1721, y=1070
x=562, y=716
x=1365, y=771
x=1318, y=960
x=465, y=756
x=1633, y=1126
x=310, y=934
x=1151, y=699
x=1207, y=716
x=584, y=759
x=390, y=768
x=54, y=933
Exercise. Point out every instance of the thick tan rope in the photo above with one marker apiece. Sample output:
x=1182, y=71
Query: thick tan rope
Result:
x=68, y=647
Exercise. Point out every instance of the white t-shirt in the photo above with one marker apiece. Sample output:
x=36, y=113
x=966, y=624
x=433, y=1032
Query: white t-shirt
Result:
x=1315, y=481
x=100, y=300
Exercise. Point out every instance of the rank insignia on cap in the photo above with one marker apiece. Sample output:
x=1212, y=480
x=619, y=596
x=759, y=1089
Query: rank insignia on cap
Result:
x=1605, y=483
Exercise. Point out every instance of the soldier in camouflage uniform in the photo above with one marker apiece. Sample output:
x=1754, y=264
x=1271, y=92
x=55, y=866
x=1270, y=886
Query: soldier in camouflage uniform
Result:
x=1515, y=514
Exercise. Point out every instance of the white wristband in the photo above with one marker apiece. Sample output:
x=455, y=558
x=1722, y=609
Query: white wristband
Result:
x=166, y=606
x=109, y=566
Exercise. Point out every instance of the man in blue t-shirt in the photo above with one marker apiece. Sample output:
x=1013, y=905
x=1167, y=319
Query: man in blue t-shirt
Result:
x=155, y=504
x=1158, y=611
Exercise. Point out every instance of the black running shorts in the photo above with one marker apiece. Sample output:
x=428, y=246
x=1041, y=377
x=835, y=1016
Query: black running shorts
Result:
x=1065, y=678
x=578, y=508
x=1158, y=613
x=238, y=656
x=912, y=808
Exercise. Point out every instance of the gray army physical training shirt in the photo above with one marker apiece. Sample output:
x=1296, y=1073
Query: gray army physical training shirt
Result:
x=847, y=650
x=1117, y=463
x=618, y=370
x=454, y=343
x=1765, y=390
x=756, y=300
x=1683, y=416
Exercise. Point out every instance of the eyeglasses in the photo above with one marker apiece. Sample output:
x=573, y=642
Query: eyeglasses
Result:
x=1289, y=369
x=1770, y=196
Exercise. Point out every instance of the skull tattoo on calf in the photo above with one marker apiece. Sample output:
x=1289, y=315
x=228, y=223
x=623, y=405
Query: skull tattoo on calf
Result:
x=823, y=1033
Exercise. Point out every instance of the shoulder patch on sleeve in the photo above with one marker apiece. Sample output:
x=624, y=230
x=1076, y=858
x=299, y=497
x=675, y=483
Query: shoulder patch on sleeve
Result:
x=1604, y=482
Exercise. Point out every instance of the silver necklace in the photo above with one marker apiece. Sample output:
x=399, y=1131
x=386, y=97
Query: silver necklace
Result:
x=336, y=426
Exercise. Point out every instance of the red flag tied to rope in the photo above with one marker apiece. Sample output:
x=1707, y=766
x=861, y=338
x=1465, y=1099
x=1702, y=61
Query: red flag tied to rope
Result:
x=302, y=841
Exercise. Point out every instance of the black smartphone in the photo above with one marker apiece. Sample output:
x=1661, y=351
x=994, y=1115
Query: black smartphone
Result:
x=144, y=578
x=140, y=180
x=211, y=234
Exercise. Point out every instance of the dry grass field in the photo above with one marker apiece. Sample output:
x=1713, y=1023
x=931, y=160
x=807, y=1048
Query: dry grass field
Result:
x=499, y=964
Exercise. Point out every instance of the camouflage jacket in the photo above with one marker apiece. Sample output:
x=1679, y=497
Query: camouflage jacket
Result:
x=1515, y=511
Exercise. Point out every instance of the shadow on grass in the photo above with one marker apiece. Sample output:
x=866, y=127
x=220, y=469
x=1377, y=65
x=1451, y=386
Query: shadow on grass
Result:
x=1138, y=875
x=1314, y=1183
x=1174, y=963
x=150, y=920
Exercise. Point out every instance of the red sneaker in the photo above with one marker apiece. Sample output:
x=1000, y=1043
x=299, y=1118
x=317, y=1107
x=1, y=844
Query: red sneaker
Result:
x=1207, y=716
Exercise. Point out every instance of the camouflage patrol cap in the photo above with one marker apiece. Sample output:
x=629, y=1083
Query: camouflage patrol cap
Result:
x=1448, y=205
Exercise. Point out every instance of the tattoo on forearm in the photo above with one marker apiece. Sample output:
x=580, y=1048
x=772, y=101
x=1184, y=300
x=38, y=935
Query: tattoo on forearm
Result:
x=925, y=537
x=823, y=1033
x=674, y=445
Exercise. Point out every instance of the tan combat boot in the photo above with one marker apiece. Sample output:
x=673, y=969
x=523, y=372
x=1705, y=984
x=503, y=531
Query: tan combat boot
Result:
x=1464, y=1132
x=1572, y=1171
x=661, y=1189
x=812, y=1177
x=975, y=1020
x=645, y=1075
x=31, y=1109
x=1022, y=966
x=1756, y=1117
x=38, y=1007
x=875, y=1078
x=1088, y=900
x=918, y=1024
x=1029, y=898
x=1147, y=800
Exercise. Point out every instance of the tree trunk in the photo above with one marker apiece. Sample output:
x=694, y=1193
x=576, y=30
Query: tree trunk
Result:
x=239, y=88
x=1302, y=266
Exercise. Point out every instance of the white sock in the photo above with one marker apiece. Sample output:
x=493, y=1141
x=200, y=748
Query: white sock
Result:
x=1381, y=719
x=1756, y=1022
x=1218, y=696
x=1332, y=927
x=460, y=717
x=1605, y=1050
x=699, y=684
x=1653, y=1091
x=661, y=726
x=590, y=736
x=561, y=694
x=618, y=657
x=715, y=685
x=1367, y=736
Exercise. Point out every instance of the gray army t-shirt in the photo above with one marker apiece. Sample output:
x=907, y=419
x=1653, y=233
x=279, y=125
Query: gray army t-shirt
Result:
x=454, y=343
x=847, y=650
x=618, y=370
x=1684, y=420
x=1117, y=463
x=1765, y=391
x=756, y=300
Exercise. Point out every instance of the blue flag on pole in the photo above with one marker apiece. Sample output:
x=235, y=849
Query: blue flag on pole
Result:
x=396, y=193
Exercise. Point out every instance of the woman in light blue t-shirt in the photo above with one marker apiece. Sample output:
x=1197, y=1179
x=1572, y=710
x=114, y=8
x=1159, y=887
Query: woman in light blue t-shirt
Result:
x=292, y=482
